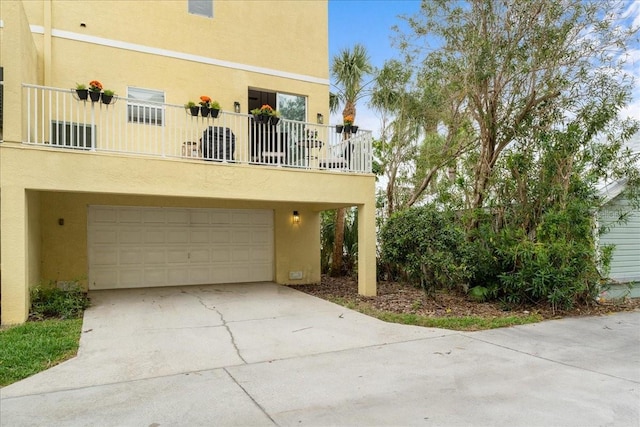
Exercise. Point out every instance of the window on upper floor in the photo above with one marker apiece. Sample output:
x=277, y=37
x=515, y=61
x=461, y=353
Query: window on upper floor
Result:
x=201, y=7
x=145, y=106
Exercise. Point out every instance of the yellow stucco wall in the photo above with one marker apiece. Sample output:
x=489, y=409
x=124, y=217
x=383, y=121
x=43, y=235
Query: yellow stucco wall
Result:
x=278, y=46
x=41, y=185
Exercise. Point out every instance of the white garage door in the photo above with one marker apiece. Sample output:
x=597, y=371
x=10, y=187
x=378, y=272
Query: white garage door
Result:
x=131, y=247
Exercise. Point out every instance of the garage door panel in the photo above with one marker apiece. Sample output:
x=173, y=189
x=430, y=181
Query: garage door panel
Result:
x=241, y=275
x=155, y=276
x=199, y=275
x=220, y=217
x=261, y=236
x=154, y=216
x=199, y=256
x=241, y=255
x=199, y=217
x=199, y=236
x=103, y=215
x=130, y=216
x=130, y=235
x=219, y=255
x=241, y=236
x=155, y=256
x=146, y=246
x=131, y=256
x=177, y=256
x=178, y=236
x=154, y=236
x=260, y=255
x=107, y=277
x=130, y=278
x=241, y=218
x=105, y=256
x=221, y=275
x=106, y=236
x=220, y=236
x=178, y=216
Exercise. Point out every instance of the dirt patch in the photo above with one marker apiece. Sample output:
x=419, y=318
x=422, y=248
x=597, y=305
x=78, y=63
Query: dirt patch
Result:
x=399, y=298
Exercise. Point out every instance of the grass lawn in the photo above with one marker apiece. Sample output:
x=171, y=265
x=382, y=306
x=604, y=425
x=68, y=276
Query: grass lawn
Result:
x=35, y=346
x=457, y=323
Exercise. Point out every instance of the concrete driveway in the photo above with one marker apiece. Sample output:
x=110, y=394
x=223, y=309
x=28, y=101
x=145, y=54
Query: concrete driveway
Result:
x=264, y=355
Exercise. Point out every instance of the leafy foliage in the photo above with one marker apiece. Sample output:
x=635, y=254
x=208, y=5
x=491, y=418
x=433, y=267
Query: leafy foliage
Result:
x=49, y=301
x=511, y=123
x=428, y=245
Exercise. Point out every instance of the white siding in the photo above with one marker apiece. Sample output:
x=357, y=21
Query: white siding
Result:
x=625, y=265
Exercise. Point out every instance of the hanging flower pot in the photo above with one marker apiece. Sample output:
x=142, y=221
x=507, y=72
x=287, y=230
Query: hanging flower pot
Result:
x=274, y=120
x=94, y=96
x=107, y=96
x=339, y=128
x=347, y=128
x=204, y=111
x=214, y=113
x=82, y=94
x=354, y=129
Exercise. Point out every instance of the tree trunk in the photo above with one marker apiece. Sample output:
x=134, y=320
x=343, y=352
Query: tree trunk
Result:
x=338, y=244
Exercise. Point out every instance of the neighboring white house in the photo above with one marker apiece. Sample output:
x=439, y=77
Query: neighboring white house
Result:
x=625, y=264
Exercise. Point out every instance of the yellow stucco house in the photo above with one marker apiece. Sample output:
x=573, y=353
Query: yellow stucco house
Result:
x=141, y=192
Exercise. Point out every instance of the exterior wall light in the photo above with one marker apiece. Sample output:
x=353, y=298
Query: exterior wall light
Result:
x=236, y=106
x=296, y=217
x=320, y=118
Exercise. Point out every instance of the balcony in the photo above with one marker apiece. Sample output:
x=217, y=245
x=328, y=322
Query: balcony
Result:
x=57, y=118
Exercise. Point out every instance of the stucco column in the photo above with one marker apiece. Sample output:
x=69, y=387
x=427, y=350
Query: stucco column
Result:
x=15, y=289
x=367, y=249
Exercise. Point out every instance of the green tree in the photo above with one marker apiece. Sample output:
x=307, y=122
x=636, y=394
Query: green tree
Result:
x=348, y=70
x=530, y=92
x=520, y=67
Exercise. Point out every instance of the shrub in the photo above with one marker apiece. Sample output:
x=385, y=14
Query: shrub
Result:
x=558, y=265
x=428, y=245
x=50, y=301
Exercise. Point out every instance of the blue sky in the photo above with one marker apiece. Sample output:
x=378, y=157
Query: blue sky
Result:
x=369, y=22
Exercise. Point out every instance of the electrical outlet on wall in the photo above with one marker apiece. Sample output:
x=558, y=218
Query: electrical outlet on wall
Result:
x=295, y=275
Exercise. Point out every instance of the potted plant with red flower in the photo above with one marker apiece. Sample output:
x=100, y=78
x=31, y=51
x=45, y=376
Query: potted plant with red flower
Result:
x=95, y=87
x=205, y=105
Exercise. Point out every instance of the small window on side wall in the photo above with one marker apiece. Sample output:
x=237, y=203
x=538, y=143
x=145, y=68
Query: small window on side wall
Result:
x=201, y=7
x=145, y=106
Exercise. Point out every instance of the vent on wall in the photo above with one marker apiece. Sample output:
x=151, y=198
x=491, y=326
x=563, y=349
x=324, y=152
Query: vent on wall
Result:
x=71, y=135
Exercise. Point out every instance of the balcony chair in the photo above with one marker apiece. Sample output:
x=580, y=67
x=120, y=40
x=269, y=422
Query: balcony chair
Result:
x=218, y=143
x=338, y=156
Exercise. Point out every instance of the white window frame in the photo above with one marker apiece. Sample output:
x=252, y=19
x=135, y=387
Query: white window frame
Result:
x=145, y=106
x=200, y=8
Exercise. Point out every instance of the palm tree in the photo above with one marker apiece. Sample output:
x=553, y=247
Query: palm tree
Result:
x=348, y=69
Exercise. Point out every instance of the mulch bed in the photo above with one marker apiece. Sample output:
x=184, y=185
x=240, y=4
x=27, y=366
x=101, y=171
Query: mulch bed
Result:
x=400, y=298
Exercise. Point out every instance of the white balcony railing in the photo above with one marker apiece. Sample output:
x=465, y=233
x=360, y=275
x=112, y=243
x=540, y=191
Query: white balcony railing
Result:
x=57, y=118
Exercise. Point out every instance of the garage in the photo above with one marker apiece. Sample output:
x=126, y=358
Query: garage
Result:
x=132, y=247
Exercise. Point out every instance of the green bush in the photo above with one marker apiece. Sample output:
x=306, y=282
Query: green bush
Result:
x=48, y=301
x=428, y=246
x=557, y=264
